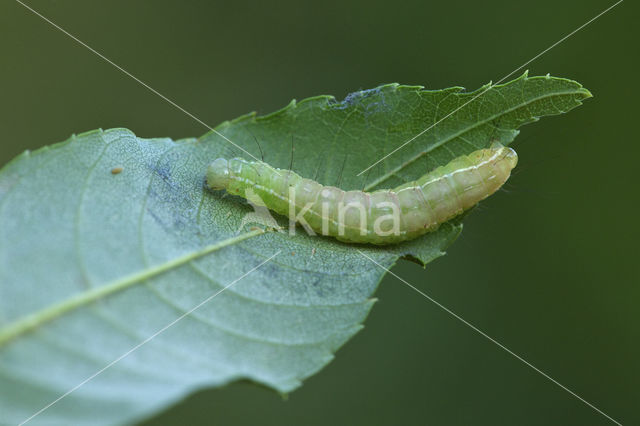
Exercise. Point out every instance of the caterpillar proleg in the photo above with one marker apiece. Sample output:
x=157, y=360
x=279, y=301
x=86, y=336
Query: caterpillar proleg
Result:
x=380, y=217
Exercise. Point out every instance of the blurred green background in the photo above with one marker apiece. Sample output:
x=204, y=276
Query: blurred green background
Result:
x=548, y=267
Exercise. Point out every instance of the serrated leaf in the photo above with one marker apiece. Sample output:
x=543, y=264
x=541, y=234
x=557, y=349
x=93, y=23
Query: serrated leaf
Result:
x=93, y=263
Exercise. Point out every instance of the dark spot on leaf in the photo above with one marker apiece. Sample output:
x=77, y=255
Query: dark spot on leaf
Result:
x=352, y=99
x=163, y=171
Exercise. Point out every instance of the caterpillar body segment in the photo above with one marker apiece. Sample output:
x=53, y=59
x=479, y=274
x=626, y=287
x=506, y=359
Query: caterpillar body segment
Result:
x=380, y=217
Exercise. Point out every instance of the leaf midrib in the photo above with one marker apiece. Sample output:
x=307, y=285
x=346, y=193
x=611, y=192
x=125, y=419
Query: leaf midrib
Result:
x=38, y=318
x=393, y=171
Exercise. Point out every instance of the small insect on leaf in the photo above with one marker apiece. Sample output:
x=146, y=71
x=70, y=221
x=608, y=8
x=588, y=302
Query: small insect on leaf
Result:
x=117, y=170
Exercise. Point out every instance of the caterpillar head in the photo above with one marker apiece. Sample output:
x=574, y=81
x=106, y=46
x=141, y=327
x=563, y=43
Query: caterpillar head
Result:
x=218, y=176
x=510, y=157
x=505, y=153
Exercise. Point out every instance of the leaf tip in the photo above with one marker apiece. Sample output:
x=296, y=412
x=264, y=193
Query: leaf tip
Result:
x=586, y=93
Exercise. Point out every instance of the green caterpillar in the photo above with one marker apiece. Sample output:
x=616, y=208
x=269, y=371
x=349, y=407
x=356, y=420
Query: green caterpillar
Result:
x=381, y=217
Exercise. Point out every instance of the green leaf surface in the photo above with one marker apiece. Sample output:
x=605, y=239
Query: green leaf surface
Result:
x=94, y=263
